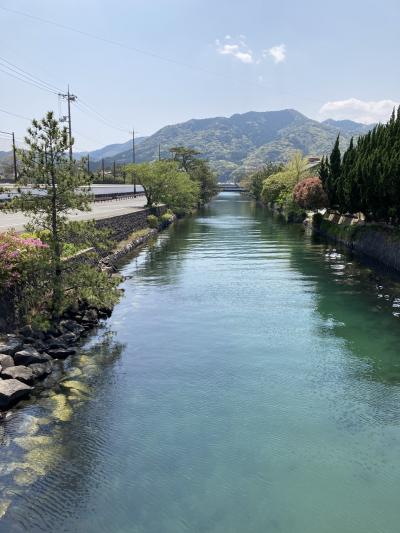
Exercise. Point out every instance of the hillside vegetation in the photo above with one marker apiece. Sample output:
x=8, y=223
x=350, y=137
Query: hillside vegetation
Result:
x=244, y=142
x=238, y=144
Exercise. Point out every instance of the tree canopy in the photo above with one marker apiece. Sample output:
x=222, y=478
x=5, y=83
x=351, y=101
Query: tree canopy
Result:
x=367, y=178
x=164, y=182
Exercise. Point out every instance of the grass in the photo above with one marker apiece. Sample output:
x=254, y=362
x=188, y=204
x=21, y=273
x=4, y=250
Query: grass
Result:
x=132, y=237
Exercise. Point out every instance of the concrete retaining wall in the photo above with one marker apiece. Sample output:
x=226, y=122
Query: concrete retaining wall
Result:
x=381, y=243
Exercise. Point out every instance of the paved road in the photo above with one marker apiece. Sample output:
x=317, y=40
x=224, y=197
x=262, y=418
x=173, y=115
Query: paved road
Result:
x=99, y=210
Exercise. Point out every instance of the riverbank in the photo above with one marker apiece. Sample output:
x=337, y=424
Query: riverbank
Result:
x=376, y=241
x=27, y=356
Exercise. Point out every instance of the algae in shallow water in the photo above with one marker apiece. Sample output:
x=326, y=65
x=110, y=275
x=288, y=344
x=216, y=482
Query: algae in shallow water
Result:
x=63, y=410
x=26, y=476
x=72, y=373
x=76, y=385
x=42, y=459
x=4, y=505
x=31, y=442
x=76, y=396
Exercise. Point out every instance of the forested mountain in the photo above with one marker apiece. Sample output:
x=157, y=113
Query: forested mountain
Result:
x=238, y=144
x=110, y=150
x=349, y=126
x=243, y=142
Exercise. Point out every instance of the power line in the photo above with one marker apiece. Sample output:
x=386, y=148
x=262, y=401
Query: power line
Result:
x=22, y=75
x=29, y=82
x=102, y=116
x=131, y=48
x=96, y=115
x=15, y=115
x=30, y=77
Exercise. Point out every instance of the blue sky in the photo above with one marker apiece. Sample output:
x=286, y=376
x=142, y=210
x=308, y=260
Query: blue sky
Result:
x=182, y=59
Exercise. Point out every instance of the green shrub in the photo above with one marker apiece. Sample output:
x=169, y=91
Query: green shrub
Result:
x=153, y=221
x=180, y=212
x=166, y=219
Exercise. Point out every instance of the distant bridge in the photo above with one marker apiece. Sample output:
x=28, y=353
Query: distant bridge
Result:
x=230, y=187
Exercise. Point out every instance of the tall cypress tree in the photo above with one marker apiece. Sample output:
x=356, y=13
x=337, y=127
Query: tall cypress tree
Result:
x=335, y=165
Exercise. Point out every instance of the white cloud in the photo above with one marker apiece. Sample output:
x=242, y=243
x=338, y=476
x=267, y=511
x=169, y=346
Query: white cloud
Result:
x=278, y=53
x=239, y=50
x=359, y=110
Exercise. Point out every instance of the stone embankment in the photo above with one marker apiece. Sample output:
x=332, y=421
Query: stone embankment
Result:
x=379, y=242
x=30, y=355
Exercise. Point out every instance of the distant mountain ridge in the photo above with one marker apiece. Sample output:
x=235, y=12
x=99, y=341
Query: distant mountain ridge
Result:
x=110, y=150
x=349, y=126
x=244, y=142
x=237, y=144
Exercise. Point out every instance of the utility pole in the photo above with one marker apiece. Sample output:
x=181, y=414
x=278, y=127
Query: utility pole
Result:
x=102, y=168
x=159, y=151
x=133, y=161
x=14, y=150
x=114, y=170
x=15, y=158
x=70, y=98
x=88, y=164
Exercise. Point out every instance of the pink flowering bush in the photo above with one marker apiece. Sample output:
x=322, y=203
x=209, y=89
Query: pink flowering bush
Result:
x=17, y=256
x=309, y=194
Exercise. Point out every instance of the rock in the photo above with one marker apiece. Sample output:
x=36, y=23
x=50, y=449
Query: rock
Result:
x=29, y=355
x=26, y=331
x=6, y=360
x=29, y=340
x=90, y=316
x=40, y=346
x=61, y=353
x=12, y=390
x=40, y=370
x=68, y=338
x=106, y=311
x=12, y=346
x=38, y=334
x=22, y=373
x=71, y=326
x=53, y=331
x=55, y=343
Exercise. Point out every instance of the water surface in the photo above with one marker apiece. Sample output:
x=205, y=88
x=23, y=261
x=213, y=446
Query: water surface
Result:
x=249, y=381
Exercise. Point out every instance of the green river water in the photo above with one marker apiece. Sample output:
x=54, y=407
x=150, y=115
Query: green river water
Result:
x=248, y=381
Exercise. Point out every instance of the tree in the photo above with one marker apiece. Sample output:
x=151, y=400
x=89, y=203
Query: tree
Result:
x=368, y=177
x=335, y=166
x=198, y=169
x=186, y=157
x=201, y=173
x=165, y=183
x=56, y=188
x=297, y=165
x=276, y=188
x=309, y=193
x=254, y=182
x=324, y=173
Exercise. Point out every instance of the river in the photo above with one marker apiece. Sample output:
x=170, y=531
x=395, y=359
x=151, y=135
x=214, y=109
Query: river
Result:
x=248, y=381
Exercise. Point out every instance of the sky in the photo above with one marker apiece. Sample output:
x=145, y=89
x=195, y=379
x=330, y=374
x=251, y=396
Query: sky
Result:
x=144, y=64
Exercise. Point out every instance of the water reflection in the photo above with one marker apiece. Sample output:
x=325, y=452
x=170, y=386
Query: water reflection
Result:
x=246, y=397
